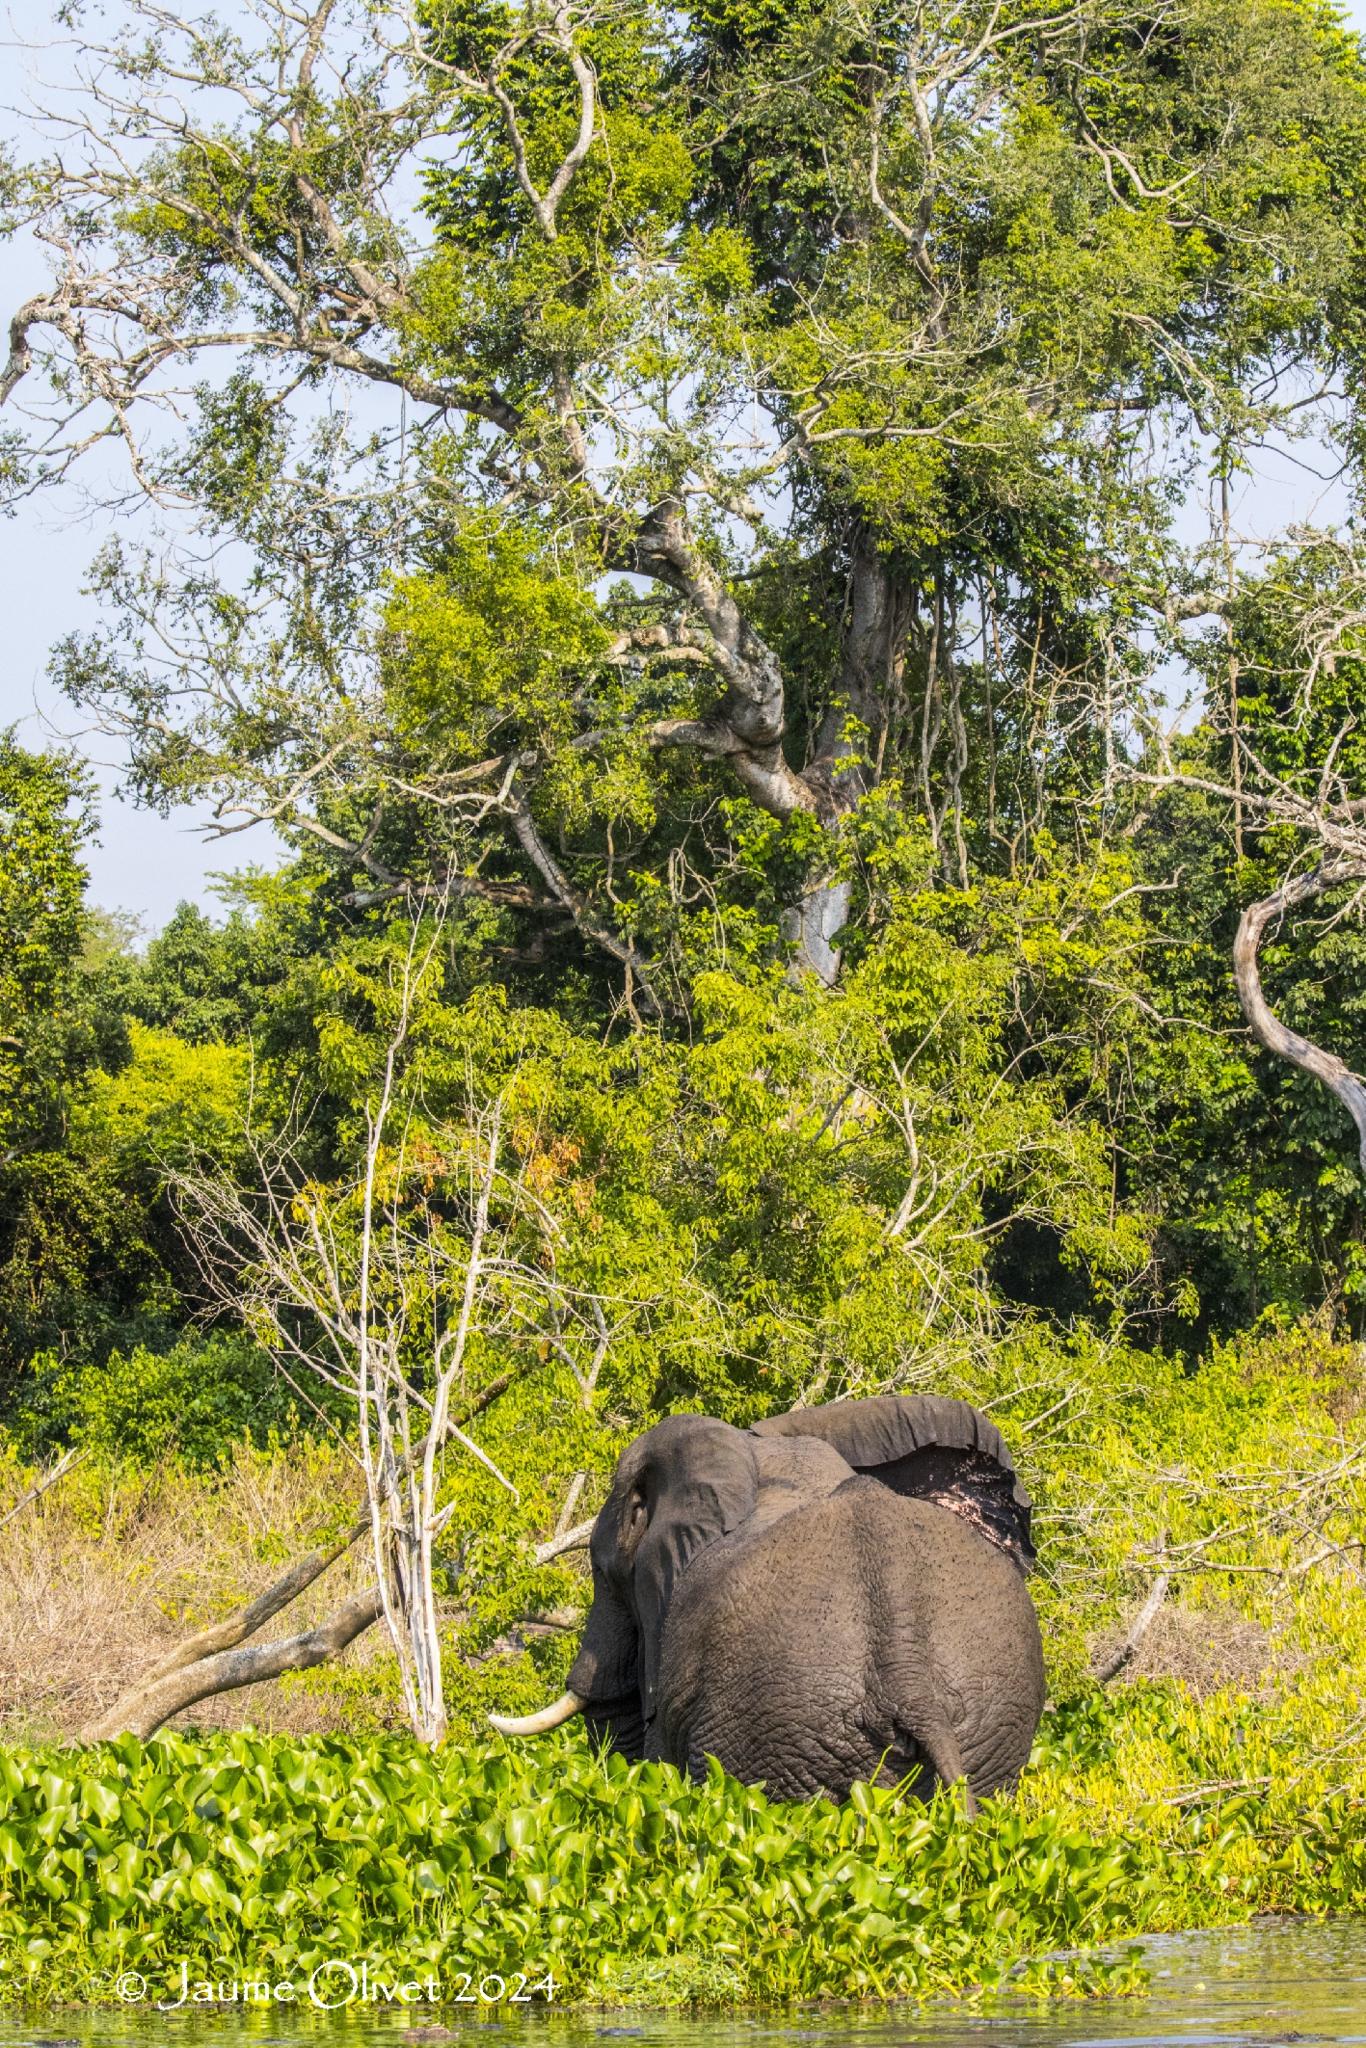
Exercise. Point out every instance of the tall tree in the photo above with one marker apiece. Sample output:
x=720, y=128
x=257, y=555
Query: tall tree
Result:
x=45, y=821
x=619, y=412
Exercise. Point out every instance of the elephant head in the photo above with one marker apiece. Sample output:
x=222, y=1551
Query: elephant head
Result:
x=677, y=1488
x=691, y=1480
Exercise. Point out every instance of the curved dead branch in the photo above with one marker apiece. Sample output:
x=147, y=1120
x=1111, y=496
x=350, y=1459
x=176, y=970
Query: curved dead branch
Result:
x=570, y=1539
x=1326, y=1067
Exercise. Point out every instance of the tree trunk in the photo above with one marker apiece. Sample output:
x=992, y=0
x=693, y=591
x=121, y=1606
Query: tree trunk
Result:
x=810, y=927
x=205, y=1662
x=849, y=746
x=141, y=1710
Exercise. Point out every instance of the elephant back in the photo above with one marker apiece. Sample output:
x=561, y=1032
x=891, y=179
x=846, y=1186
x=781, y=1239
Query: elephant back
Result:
x=926, y=1447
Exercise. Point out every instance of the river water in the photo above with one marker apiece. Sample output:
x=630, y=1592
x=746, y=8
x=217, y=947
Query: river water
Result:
x=1272, y=1983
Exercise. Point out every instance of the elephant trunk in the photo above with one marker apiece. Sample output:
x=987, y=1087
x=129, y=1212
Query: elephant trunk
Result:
x=560, y=1710
x=603, y=1674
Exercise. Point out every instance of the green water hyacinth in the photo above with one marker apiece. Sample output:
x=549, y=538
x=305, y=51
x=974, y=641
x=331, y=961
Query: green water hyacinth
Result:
x=236, y=1856
x=239, y=1858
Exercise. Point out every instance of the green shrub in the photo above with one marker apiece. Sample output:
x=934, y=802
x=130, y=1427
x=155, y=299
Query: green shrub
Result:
x=193, y=1402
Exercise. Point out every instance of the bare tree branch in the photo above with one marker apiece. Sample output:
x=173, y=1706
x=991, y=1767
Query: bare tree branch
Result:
x=572, y=1539
x=66, y=1463
x=1266, y=1026
x=1125, y=1652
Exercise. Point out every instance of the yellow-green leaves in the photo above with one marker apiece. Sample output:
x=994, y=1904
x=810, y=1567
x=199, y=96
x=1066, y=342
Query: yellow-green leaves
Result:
x=170, y=1102
x=496, y=633
x=238, y=1855
x=719, y=262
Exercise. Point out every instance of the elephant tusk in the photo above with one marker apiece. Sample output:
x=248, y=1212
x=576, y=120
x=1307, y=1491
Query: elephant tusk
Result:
x=560, y=1710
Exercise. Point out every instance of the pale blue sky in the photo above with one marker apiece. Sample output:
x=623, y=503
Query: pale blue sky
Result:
x=146, y=864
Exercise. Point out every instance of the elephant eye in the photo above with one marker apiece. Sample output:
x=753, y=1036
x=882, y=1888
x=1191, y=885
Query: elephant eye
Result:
x=637, y=1512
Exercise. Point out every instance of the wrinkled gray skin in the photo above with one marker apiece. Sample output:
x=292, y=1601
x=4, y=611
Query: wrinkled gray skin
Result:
x=757, y=1600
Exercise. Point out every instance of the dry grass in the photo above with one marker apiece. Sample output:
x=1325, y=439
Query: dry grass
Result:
x=110, y=1568
x=1207, y=1649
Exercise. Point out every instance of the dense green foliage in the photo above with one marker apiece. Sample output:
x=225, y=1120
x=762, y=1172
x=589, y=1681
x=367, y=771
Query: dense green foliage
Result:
x=44, y=820
x=256, y=1858
x=197, y=1401
x=265, y=1859
x=259, y=1858
x=787, y=566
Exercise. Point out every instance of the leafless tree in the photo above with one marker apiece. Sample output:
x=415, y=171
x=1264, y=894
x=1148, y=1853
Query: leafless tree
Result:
x=396, y=1289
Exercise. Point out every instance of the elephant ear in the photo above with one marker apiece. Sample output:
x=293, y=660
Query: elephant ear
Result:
x=700, y=1480
x=927, y=1447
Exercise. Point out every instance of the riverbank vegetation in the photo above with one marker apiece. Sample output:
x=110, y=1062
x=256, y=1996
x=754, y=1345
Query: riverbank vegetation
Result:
x=564, y=1877
x=1227, y=1784
x=817, y=857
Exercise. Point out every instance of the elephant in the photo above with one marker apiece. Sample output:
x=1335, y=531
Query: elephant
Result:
x=832, y=1595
